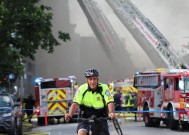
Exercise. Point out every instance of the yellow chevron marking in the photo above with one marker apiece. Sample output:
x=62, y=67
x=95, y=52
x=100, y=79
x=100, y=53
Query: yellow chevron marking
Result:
x=57, y=108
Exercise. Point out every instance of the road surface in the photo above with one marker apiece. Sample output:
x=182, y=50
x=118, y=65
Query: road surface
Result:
x=129, y=127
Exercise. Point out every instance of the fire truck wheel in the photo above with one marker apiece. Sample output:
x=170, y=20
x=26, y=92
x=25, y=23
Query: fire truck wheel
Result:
x=41, y=121
x=156, y=123
x=51, y=121
x=146, y=116
x=173, y=124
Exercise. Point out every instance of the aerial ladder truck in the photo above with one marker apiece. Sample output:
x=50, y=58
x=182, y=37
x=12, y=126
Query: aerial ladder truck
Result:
x=131, y=17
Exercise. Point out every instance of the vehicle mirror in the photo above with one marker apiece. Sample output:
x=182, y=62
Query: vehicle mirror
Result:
x=15, y=90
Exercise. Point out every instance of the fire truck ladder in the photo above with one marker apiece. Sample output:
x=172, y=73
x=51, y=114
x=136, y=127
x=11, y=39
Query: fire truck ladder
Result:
x=129, y=13
x=100, y=25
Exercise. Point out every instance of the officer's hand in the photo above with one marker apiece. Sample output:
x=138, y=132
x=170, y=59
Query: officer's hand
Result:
x=67, y=117
x=112, y=115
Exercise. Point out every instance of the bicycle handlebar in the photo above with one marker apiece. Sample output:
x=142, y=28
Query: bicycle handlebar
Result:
x=94, y=118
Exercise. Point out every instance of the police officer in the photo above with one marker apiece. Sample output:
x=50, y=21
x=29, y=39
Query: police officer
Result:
x=93, y=98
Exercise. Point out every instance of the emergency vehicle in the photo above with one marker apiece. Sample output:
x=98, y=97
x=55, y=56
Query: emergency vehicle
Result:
x=123, y=85
x=163, y=96
x=53, y=97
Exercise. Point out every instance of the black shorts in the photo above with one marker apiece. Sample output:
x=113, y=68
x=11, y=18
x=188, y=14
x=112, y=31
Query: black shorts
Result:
x=98, y=128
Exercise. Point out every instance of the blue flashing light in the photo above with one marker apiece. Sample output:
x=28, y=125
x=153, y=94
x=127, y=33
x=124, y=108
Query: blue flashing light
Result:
x=38, y=80
x=11, y=76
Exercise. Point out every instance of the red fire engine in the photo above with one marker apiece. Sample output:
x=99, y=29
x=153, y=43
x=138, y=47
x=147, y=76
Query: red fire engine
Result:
x=53, y=96
x=163, y=96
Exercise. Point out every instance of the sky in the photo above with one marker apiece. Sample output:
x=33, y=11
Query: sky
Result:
x=84, y=51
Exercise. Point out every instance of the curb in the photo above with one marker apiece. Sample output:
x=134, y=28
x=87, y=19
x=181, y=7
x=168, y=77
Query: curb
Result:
x=26, y=124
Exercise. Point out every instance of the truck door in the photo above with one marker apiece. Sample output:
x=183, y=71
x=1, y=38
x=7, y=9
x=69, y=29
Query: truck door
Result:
x=168, y=88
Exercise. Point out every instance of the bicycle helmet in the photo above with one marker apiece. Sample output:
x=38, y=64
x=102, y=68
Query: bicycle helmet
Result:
x=91, y=72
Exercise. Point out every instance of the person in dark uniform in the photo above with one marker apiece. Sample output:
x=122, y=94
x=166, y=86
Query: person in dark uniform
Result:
x=135, y=104
x=117, y=100
x=29, y=105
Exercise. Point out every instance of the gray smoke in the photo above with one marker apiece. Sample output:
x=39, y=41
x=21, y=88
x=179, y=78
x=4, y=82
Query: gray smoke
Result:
x=84, y=50
x=169, y=16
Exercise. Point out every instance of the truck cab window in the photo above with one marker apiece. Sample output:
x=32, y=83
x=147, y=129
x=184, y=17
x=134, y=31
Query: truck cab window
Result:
x=176, y=84
x=186, y=83
x=48, y=84
x=181, y=84
x=165, y=83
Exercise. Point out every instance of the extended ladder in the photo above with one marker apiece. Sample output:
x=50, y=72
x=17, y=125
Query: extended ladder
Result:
x=129, y=13
x=100, y=25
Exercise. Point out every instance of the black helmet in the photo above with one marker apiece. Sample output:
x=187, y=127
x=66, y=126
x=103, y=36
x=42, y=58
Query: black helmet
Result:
x=91, y=72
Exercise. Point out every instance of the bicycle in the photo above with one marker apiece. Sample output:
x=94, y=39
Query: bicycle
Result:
x=93, y=118
x=116, y=124
x=117, y=127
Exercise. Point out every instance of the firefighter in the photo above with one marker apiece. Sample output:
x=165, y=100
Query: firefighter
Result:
x=29, y=105
x=93, y=98
x=135, y=104
x=182, y=66
x=129, y=101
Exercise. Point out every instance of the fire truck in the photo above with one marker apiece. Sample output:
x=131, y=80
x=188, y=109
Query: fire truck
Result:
x=53, y=97
x=123, y=85
x=163, y=96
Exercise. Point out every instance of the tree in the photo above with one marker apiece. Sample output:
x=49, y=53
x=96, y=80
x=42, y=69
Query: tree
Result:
x=25, y=26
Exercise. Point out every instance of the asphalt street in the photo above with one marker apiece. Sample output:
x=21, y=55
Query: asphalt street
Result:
x=67, y=128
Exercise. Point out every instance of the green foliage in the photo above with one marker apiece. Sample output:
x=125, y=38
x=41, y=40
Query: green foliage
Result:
x=25, y=26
